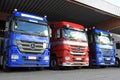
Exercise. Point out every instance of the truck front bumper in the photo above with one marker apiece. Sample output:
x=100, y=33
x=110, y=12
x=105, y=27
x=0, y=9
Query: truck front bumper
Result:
x=75, y=64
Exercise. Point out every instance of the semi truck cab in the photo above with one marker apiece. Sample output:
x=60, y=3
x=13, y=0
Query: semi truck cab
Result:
x=69, y=45
x=26, y=41
x=101, y=48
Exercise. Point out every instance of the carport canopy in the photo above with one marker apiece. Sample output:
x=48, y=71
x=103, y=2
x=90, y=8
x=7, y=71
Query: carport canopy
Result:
x=56, y=10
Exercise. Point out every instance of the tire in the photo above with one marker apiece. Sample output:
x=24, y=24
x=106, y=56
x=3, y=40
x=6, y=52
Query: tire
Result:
x=117, y=62
x=5, y=68
x=77, y=67
x=103, y=66
x=54, y=63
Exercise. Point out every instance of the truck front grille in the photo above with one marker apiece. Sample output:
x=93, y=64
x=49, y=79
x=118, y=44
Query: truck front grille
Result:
x=77, y=50
x=30, y=47
x=106, y=52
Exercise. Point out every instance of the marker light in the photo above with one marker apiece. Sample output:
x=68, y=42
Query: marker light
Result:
x=15, y=9
x=68, y=25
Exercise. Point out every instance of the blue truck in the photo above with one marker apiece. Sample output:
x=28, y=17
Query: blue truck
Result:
x=26, y=41
x=101, y=49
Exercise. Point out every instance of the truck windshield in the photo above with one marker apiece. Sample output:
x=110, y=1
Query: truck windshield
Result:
x=103, y=39
x=75, y=34
x=31, y=28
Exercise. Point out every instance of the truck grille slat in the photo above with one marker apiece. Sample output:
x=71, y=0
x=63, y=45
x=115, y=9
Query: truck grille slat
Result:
x=28, y=47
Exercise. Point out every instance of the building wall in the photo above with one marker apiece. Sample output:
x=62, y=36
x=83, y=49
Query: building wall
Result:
x=109, y=24
x=102, y=5
x=3, y=16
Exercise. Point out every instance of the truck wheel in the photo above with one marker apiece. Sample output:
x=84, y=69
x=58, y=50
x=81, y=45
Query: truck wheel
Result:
x=117, y=62
x=77, y=67
x=103, y=66
x=5, y=68
x=53, y=63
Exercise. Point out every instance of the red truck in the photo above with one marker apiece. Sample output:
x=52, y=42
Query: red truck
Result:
x=69, y=45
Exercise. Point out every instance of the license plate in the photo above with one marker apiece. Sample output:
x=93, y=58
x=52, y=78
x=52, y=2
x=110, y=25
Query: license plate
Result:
x=107, y=58
x=78, y=58
x=32, y=57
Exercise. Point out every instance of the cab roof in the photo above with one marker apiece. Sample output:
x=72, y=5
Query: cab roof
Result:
x=67, y=24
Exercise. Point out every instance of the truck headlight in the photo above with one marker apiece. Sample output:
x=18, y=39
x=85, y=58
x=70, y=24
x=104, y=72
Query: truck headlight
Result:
x=46, y=58
x=67, y=58
x=100, y=58
x=45, y=45
x=45, y=32
x=114, y=59
x=14, y=56
x=87, y=59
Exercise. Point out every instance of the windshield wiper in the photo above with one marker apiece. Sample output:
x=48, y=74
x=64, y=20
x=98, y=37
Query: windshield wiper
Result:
x=83, y=40
x=72, y=38
x=40, y=33
x=104, y=43
x=22, y=31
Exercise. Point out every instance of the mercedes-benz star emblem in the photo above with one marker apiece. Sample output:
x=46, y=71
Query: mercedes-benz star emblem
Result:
x=32, y=45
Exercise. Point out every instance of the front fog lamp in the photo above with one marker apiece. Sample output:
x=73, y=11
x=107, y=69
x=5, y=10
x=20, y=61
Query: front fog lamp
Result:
x=13, y=56
x=44, y=45
x=46, y=58
x=67, y=58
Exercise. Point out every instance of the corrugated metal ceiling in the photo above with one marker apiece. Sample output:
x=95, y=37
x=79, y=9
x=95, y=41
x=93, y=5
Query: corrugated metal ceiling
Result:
x=56, y=10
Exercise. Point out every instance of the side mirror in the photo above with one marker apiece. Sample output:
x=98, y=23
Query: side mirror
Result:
x=58, y=34
x=50, y=31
